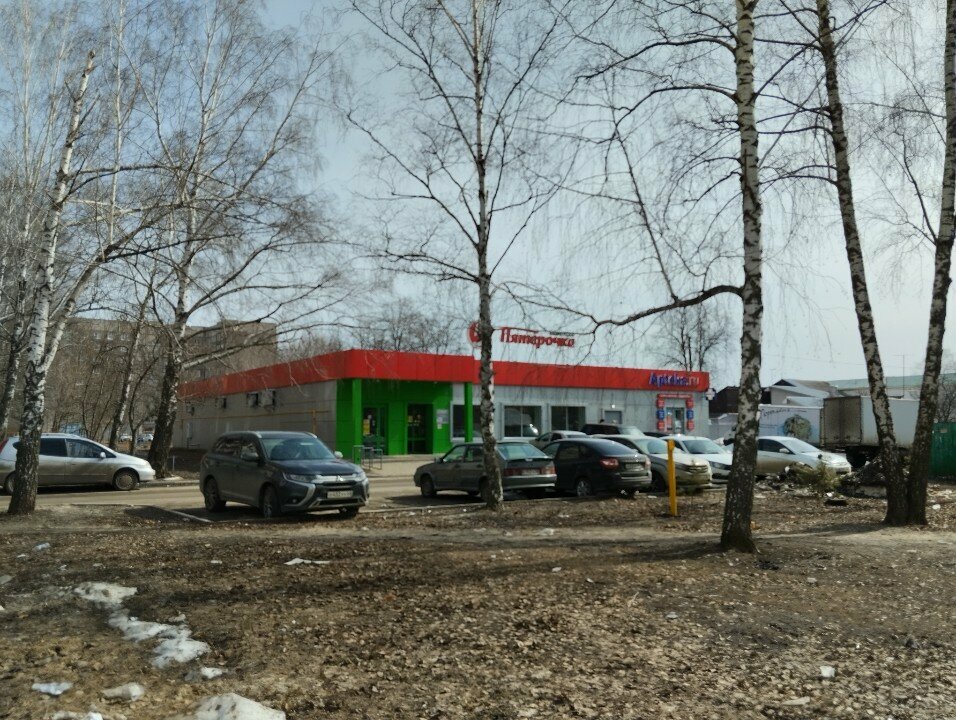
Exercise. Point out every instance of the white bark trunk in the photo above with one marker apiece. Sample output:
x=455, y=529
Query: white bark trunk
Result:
x=37, y=359
x=889, y=452
x=738, y=506
x=929, y=391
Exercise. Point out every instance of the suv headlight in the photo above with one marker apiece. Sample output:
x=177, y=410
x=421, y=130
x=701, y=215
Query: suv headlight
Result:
x=300, y=478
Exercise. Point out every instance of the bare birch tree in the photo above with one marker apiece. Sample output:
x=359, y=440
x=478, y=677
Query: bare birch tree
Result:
x=462, y=151
x=38, y=351
x=889, y=452
x=667, y=55
x=692, y=338
x=228, y=105
x=942, y=278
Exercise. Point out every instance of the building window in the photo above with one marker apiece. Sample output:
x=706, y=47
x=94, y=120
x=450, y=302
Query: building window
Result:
x=567, y=418
x=522, y=421
x=613, y=416
x=458, y=420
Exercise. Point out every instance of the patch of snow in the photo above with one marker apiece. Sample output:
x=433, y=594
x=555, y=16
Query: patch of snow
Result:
x=671, y=616
x=139, y=630
x=937, y=506
x=41, y=547
x=4, y=579
x=105, y=594
x=67, y=715
x=178, y=619
x=556, y=569
x=130, y=692
x=178, y=650
x=827, y=672
x=302, y=561
x=55, y=688
x=234, y=707
x=546, y=532
x=211, y=673
x=215, y=562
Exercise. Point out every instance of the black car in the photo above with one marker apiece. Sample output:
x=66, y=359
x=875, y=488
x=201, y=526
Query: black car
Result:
x=280, y=472
x=589, y=466
x=605, y=428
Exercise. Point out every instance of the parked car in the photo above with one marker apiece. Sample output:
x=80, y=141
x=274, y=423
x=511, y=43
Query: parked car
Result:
x=71, y=460
x=775, y=454
x=523, y=468
x=605, y=428
x=719, y=456
x=125, y=437
x=549, y=437
x=589, y=466
x=691, y=474
x=655, y=433
x=144, y=438
x=280, y=472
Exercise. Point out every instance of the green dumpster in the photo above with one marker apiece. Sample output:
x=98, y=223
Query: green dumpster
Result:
x=943, y=458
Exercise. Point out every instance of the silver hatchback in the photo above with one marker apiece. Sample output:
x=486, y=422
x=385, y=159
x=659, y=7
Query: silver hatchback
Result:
x=73, y=460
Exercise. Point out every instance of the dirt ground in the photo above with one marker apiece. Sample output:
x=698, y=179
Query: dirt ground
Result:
x=550, y=609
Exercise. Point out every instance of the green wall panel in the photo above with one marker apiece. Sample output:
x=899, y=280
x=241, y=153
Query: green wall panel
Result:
x=395, y=397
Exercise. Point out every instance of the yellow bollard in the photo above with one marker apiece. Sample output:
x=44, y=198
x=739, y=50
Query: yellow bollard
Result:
x=671, y=478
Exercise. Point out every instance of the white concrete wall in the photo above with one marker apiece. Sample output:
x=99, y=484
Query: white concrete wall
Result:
x=306, y=408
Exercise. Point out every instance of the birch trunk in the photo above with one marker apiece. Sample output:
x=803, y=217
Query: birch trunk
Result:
x=492, y=492
x=37, y=358
x=168, y=405
x=12, y=373
x=889, y=451
x=929, y=391
x=738, y=506
x=123, y=400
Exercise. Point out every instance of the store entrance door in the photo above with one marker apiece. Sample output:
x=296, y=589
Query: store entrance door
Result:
x=373, y=427
x=419, y=429
x=674, y=420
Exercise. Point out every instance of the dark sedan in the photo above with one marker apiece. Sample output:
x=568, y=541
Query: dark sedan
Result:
x=280, y=472
x=590, y=466
x=523, y=468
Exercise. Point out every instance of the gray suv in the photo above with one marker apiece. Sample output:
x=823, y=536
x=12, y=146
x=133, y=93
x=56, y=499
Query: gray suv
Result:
x=73, y=460
x=279, y=473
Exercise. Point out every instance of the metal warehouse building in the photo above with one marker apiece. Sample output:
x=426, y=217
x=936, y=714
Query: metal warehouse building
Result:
x=405, y=403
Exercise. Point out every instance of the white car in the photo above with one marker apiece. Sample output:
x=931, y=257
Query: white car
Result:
x=719, y=456
x=775, y=454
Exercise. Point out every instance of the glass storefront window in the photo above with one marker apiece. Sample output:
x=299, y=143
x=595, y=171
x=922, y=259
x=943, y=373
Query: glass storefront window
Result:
x=458, y=420
x=566, y=418
x=522, y=421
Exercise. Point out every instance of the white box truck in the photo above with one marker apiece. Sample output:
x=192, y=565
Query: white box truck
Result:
x=848, y=425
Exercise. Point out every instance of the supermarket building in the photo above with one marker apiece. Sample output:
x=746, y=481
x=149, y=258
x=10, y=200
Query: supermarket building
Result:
x=411, y=403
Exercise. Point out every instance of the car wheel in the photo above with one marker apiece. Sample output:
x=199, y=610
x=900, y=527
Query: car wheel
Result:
x=658, y=483
x=428, y=487
x=211, y=496
x=583, y=488
x=125, y=480
x=8, y=483
x=269, y=506
x=348, y=512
